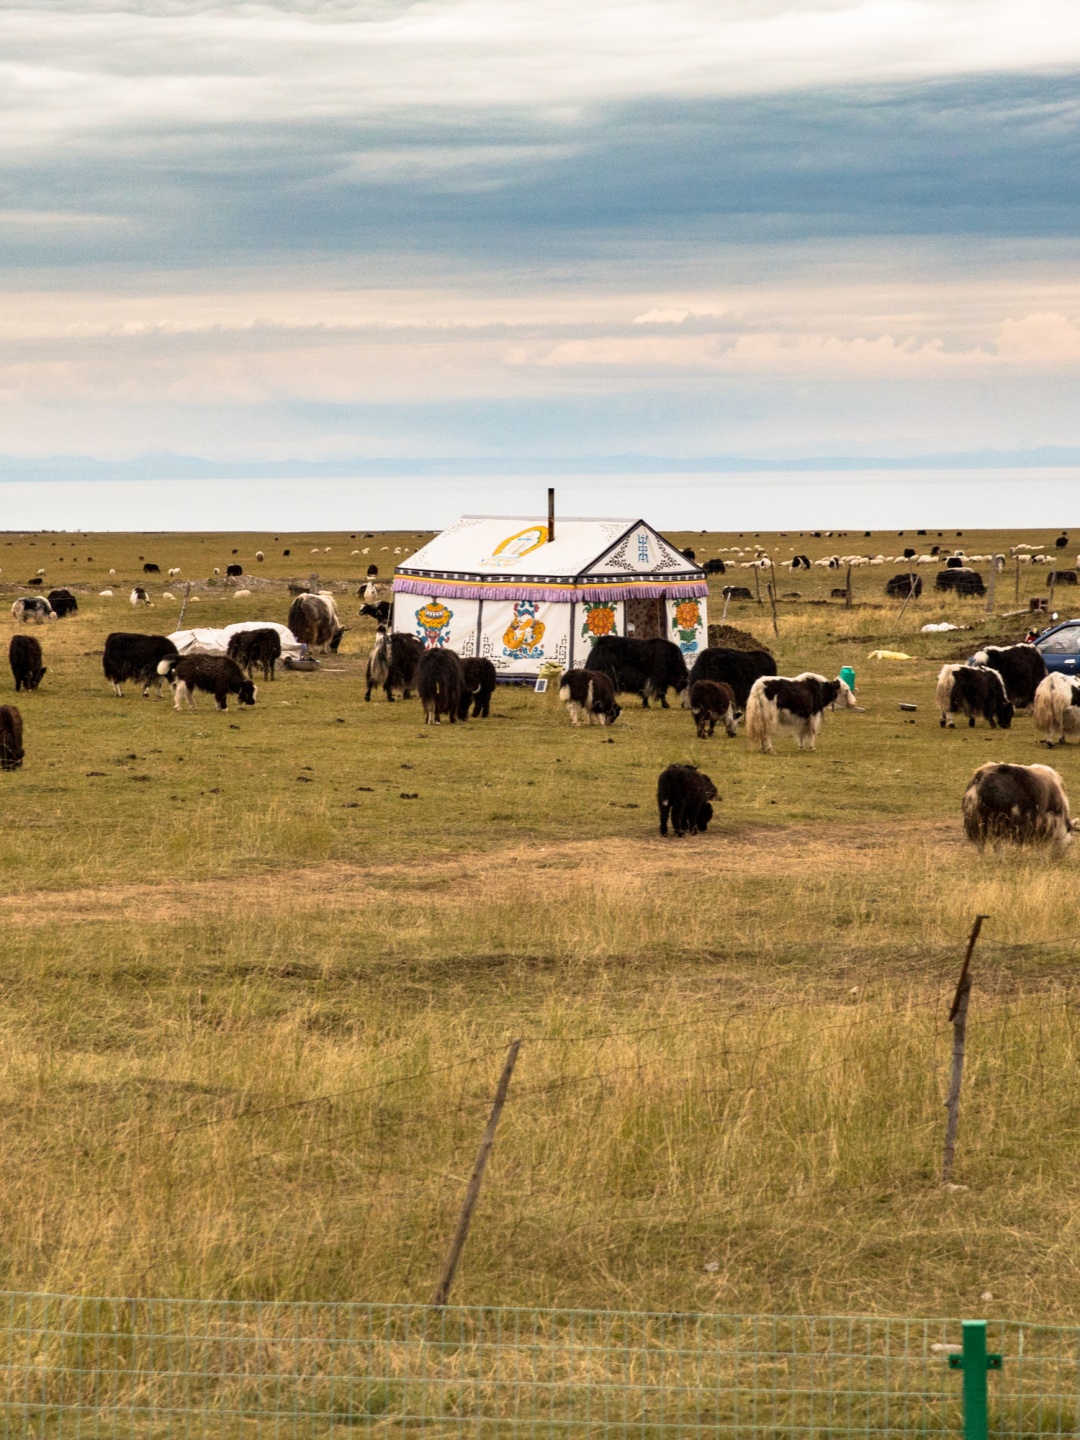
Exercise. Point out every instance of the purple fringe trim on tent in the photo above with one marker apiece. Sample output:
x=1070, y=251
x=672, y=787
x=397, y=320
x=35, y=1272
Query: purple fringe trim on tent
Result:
x=457, y=590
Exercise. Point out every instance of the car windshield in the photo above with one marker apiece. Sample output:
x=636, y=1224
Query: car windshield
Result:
x=1063, y=642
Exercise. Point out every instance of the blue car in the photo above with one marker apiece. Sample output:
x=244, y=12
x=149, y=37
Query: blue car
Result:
x=1060, y=647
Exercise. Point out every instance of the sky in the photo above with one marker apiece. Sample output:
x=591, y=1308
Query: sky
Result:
x=369, y=262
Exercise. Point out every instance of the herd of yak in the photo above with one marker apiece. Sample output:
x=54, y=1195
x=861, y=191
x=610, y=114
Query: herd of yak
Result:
x=1024, y=803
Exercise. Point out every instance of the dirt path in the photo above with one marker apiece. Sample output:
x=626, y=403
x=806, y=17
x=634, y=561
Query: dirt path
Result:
x=761, y=851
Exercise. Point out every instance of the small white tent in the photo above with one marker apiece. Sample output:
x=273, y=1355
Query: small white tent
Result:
x=497, y=587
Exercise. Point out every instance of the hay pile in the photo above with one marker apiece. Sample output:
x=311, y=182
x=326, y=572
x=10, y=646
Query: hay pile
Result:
x=729, y=638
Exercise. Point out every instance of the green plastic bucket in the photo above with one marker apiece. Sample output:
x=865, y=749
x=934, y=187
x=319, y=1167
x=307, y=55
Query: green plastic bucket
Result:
x=847, y=674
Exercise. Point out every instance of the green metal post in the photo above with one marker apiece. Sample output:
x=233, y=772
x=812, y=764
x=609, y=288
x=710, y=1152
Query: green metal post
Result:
x=975, y=1410
x=975, y=1362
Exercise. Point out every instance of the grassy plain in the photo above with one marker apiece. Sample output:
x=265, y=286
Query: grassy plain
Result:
x=253, y=1000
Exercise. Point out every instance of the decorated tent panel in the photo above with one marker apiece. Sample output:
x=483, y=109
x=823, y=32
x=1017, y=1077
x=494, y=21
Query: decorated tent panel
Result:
x=532, y=602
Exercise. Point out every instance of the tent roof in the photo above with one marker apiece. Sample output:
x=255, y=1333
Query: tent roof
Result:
x=508, y=556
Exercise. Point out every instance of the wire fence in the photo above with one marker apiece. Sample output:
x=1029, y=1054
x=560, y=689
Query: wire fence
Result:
x=120, y=1368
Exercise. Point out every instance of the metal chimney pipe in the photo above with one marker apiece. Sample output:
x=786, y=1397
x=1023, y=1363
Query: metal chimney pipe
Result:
x=551, y=515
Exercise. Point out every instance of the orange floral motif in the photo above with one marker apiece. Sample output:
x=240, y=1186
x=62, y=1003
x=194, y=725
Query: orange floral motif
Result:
x=687, y=615
x=600, y=620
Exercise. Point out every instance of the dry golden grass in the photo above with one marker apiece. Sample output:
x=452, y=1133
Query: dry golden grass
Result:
x=252, y=1013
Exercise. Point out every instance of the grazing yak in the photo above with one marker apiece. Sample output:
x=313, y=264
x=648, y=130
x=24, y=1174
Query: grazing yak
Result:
x=138, y=596
x=736, y=592
x=709, y=701
x=973, y=690
x=11, y=738
x=589, y=693
x=255, y=648
x=216, y=674
x=24, y=657
x=1021, y=667
x=478, y=680
x=1026, y=804
x=233, y=571
x=151, y=569
x=1057, y=708
x=439, y=684
x=379, y=612
x=798, y=704
x=640, y=667
x=715, y=567
x=32, y=609
x=737, y=668
x=392, y=663
x=683, y=794
x=962, y=581
x=63, y=603
x=313, y=619
x=136, y=658
x=900, y=587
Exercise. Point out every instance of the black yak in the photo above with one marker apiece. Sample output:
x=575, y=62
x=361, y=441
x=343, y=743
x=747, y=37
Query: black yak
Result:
x=478, y=681
x=640, y=667
x=136, y=658
x=683, y=794
x=256, y=648
x=708, y=702
x=1021, y=667
x=392, y=663
x=11, y=738
x=737, y=668
x=439, y=683
x=25, y=657
x=216, y=674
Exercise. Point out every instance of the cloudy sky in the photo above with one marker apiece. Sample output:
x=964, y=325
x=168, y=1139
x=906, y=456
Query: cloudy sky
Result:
x=750, y=262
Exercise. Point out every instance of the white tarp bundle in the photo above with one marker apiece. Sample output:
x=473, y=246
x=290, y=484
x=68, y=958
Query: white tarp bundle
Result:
x=216, y=642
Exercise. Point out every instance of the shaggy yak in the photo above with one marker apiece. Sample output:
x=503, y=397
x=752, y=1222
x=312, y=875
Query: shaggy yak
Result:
x=640, y=667
x=588, y=693
x=973, y=690
x=797, y=705
x=24, y=657
x=1026, y=804
x=439, y=685
x=313, y=619
x=253, y=649
x=683, y=794
x=392, y=663
x=478, y=681
x=1057, y=708
x=709, y=701
x=216, y=674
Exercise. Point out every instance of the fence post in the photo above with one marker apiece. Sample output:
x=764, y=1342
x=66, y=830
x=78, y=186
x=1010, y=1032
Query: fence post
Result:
x=442, y=1290
x=772, y=602
x=958, y=1019
x=847, y=590
x=757, y=584
x=991, y=588
x=975, y=1362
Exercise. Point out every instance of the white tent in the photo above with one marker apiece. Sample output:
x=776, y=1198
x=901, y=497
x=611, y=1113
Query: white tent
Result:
x=495, y=586
x=216, y=642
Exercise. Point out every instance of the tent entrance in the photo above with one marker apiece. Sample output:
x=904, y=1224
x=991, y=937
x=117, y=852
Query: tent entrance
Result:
x=645, y=619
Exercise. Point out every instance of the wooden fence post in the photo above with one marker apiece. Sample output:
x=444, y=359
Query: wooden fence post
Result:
x=958, y=1020
x=847, y=590
x=183, y=607
x=1016, y=592
x=757, y=584
x=991, y=588
x=772, y=602
x=472, y=1193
